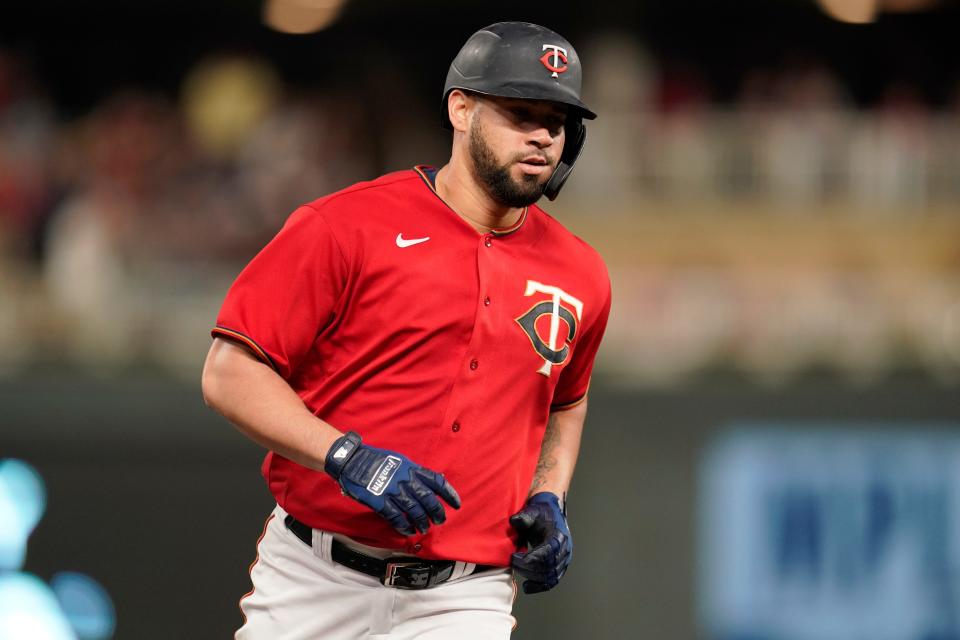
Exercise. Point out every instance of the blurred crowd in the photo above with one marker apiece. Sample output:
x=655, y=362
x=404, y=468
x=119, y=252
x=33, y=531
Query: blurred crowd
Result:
x=121, y=228
x=204, y=177
x=791, y=135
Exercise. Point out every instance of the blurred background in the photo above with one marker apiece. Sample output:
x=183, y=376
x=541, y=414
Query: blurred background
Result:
x=774, y=431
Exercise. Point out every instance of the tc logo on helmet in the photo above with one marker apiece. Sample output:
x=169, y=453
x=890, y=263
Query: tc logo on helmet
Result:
x=553, y=58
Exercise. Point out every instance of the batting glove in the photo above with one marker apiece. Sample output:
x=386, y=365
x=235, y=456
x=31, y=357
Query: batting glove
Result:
x=401, y=491
x=542, y=524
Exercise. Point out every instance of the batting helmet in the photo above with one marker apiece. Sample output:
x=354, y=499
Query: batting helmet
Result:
x=524, y=60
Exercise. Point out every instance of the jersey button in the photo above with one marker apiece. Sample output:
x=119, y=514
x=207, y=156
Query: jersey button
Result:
x=487, y=241
x=455, y=427
x=473, y=365
x=486, y=301
x=417, y=547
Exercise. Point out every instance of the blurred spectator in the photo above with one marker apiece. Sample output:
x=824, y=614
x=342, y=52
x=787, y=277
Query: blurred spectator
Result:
x=686, y=152
x=945, y=151
x=889, y=156
x=617, y=159
x=27, y=144
x=308, y=147
x=134, y=148
x=800, y=144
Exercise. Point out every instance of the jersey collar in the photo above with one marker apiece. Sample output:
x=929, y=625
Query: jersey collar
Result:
x=429, y=174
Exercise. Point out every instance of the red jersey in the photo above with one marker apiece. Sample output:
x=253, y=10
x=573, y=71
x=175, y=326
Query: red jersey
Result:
x=391, y=316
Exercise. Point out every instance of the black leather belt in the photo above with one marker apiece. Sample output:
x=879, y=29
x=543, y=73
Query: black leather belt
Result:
x=401, y=572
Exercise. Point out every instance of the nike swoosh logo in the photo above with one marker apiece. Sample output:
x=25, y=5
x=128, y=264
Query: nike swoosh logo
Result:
x=403, y=243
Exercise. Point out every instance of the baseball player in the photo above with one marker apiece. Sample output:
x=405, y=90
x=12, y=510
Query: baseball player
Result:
x=415, y=353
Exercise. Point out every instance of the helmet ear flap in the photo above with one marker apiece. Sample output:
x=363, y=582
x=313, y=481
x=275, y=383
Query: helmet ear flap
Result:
x=575, y=139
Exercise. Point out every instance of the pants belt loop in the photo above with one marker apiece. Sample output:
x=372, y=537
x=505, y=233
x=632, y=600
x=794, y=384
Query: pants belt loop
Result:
x=460, y=569
x=321, y=544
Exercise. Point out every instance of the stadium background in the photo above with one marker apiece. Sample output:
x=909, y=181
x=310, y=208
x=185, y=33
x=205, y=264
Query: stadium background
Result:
x=776, y=191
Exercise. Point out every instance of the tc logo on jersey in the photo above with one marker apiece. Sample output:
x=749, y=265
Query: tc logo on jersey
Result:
x=554, y=57
x=531, y=325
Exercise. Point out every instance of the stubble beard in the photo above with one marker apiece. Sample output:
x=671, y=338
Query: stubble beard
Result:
x=496, y=177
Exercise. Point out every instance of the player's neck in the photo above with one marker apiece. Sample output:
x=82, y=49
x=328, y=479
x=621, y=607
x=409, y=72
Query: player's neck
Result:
x=462, y=193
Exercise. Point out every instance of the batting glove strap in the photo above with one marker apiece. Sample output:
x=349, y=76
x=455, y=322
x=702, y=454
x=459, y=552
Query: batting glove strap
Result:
x=542, y=524
x=404, y=493
x=342, y=450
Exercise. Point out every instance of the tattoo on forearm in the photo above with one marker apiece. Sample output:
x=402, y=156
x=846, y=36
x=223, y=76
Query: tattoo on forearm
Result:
x=548, y=459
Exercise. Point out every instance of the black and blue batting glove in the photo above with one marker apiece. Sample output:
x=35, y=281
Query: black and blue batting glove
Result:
x=542, y=525
x=401, y=491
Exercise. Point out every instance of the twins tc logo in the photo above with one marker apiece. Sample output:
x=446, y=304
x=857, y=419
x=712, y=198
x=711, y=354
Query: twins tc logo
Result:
x=529, y=322
x=553, y=58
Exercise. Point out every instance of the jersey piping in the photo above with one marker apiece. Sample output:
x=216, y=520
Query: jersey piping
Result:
x=247, y=341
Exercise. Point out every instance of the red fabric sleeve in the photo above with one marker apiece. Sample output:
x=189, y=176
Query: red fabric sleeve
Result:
x=574, y=380
x=288, y=293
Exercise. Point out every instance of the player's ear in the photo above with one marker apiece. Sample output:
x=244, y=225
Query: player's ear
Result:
x=459, y=105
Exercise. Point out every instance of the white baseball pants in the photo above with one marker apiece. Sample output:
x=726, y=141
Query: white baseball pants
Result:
x=299, y=593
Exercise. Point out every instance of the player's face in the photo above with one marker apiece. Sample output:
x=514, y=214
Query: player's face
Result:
x=515, y=146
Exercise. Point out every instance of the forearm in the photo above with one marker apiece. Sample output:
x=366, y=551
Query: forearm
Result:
x=256, y=400
x=559, y=451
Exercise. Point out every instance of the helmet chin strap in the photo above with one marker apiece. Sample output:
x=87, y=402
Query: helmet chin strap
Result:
x=577, y=135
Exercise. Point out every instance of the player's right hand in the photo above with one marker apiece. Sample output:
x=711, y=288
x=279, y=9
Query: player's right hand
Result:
x=400, y=490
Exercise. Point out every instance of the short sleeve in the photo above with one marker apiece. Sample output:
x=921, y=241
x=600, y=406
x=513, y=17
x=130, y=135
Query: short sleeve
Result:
x=288, y=293
x=574, y=380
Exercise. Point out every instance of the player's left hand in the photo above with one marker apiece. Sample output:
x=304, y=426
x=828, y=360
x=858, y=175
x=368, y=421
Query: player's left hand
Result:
x=542, y=524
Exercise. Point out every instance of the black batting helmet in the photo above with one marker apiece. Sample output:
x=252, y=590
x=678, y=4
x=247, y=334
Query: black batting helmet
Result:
x=524, y=60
